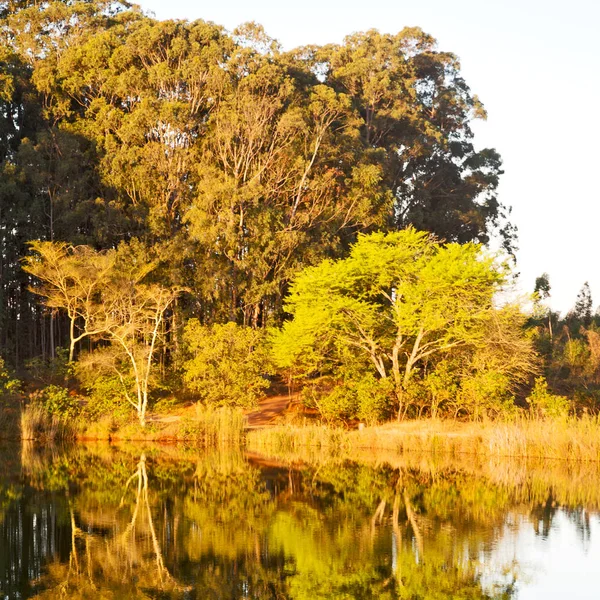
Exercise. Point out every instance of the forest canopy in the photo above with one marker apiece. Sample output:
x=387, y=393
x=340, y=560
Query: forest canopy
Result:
x=237, y=162
x=169, y=188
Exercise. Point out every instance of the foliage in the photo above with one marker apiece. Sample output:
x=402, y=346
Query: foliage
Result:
x=8, y=384
x=398, y=305
x=228, y=364
x=544, y=404
x=57, y=401
x=108, y=297
x=56, y=370
x=239, y=164
x=582, y=311
x=367, y=399
x=570, y=350
x=104, y=388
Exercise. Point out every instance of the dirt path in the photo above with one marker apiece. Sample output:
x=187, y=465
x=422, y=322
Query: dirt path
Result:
x=268, y=411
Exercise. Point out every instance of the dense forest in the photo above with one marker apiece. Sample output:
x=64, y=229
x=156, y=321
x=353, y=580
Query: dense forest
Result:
x=191, y=211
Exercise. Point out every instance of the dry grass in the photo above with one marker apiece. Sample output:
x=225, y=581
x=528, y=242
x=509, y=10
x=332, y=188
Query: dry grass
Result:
x=207, y=427
x=574, y=439
x=38, y=424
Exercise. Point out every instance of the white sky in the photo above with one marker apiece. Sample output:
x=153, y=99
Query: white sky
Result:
x=535, y=64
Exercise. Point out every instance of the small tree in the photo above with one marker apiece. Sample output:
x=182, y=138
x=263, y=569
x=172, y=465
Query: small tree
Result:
x=8, y=384
x=106, y=297
x=228, y=364
x=582, y=311
x=71, y=279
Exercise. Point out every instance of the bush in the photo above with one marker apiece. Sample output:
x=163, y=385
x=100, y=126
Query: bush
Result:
x=8, y=384
x=54, y=370
x=484, y=394
x=544, y=404
x=57, y=401
x=229, y=363
x=106, y=383
x=366, y=399
x=106, y=398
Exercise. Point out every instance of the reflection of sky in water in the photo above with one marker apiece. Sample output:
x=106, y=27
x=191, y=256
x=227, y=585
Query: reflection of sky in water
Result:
x=564, y=564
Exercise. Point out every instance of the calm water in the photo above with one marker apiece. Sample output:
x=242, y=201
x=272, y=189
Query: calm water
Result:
x=102, y=522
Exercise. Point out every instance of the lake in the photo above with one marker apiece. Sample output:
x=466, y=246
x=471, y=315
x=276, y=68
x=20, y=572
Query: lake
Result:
x=100, y=521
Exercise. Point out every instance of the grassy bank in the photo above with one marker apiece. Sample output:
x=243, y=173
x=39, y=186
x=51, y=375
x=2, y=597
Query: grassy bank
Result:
x=203, y=427
x=575, y=439
x=572, y=439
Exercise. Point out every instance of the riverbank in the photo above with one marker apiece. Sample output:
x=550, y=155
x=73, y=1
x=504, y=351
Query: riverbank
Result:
x=193, y=425
x=572, y=439
x=575, y=439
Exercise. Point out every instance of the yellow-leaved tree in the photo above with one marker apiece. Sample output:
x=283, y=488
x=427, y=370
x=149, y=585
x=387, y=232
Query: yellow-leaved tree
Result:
x=398, y=304
x=109, y=297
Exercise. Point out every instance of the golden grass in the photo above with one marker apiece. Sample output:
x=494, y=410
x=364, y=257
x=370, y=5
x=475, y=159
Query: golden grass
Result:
x=38, y=424
x=573, y=439
x=207, y=427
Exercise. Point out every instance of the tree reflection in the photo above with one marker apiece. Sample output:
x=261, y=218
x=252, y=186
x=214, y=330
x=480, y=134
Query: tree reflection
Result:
x=119, y=523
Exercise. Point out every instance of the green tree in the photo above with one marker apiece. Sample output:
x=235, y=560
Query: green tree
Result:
x=239, y=163
x=398, y=300
x=582, y=310
x=416, y=112
x=542, y=286
x=228, y=364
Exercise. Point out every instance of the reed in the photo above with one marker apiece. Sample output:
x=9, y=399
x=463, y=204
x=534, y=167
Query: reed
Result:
x=570, y=439
x=38, y=424
x=208, y=427
x=215, y=426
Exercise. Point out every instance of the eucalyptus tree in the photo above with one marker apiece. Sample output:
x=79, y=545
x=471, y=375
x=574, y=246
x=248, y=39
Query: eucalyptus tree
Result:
x=239, y=162
x=417, y=110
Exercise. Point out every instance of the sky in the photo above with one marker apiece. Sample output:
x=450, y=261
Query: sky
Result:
x=535, y=64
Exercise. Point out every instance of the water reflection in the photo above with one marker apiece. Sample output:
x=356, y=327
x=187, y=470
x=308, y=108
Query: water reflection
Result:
x=105, y=522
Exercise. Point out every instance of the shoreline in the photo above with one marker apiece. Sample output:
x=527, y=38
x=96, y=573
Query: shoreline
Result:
x=574, y=440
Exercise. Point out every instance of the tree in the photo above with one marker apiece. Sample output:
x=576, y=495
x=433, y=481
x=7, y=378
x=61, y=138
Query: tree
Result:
x=134, y=317
x=241, y=163
x=399, y=300
x=416, y=112
x=227, y=364
x=582, y=311
x=72, y=279
x=106, y=296
x=542, y=286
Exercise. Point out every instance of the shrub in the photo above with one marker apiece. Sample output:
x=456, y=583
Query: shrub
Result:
x=57, y=401
x=228, y=364
x=544, y=404
x=106, y=398
x=54, y=370
x=485, y=393
x=367, y=399
x=8, y=384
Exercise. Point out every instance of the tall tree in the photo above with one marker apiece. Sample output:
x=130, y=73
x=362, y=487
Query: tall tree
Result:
x=582, y=310
x=416, y=109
